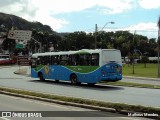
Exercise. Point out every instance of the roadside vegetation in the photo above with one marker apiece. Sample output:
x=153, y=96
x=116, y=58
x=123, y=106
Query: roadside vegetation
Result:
x=118, y=107
x=150, y=71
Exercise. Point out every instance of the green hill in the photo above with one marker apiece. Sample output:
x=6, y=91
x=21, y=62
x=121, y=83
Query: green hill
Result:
x=7, y=21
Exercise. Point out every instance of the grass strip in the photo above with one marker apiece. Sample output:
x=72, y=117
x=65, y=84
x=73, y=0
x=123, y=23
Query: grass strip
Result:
x=117, y=106
x=128, y=84
x=150, y=71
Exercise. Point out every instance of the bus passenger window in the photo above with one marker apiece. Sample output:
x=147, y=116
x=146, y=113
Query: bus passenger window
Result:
x=45, y=60
x=42, y=60
x=33, y=62
x=88, y=59
x=52, y=60
x=95, y=60
x=72, y=60
x=85, y=59
x=38, y=61
x=64, y=59
x=55, y=60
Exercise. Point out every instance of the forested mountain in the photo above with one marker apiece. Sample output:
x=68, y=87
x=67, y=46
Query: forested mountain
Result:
x=8, y=21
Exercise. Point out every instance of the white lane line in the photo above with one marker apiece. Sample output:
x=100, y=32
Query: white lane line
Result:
x=5, y=118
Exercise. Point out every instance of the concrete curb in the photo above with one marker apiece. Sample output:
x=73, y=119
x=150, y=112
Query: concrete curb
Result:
x=61, y=102
x=142, y=78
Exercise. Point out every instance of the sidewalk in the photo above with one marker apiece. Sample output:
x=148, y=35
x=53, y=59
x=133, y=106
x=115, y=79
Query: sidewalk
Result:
x=141, y=80
x=23, y=71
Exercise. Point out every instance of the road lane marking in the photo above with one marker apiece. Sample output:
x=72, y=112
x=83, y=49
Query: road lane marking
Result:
x=133, y=118
x=5, y=118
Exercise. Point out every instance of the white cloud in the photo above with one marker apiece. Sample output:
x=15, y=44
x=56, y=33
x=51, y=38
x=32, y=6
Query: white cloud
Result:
x=147, y=29
x=44, y=10
x=65, y=6
x=149, y=4
x=116, y=6
x=49, y=20
x=143, y=27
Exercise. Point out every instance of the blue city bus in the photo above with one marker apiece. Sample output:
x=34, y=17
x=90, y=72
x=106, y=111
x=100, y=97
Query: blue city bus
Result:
x=82, y=66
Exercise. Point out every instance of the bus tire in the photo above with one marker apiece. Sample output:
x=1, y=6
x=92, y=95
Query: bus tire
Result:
x=91, y=84
x=40, y=75
x=73, y=79
x=56, y=81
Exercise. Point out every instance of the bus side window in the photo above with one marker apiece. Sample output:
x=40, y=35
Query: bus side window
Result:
x=88, y=59
x=95, y=60
x=49, y=60
x=52, y=60
x=42, y=60
x=46, y=60
x=55, y=60
x=85, y=59
x=33, y=62
x=72, y=60
x=38, y=61
x=64, y=59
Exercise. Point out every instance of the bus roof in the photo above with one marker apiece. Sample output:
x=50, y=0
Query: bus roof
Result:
x=83, y=51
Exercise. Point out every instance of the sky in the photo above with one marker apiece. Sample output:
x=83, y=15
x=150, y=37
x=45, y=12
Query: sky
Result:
x=82, y=15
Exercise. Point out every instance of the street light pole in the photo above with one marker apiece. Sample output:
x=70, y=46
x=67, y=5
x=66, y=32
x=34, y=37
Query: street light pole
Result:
x=158, y=64
x=106, y=24
x=158, y=42
x=133, y=53
x=96, y=32
x=40, y=45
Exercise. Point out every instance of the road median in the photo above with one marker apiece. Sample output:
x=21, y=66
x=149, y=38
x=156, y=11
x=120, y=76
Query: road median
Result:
x=85, y=103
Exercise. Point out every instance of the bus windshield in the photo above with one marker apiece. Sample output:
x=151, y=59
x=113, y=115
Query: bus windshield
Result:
x=111, y=56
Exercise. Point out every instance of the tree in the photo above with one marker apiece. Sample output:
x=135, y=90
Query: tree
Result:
x=144, y=60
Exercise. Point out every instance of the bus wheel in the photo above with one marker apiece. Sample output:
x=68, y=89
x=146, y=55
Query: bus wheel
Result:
x=91, y=84
x=40, y=75
x=56, y=81
x=78, y=83
x=73, y=79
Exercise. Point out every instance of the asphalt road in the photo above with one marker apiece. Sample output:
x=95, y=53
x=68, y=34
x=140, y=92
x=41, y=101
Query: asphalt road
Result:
x=22, y=107
x=129, y=95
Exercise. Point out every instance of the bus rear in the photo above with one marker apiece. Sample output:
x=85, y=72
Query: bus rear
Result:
x=111, y=65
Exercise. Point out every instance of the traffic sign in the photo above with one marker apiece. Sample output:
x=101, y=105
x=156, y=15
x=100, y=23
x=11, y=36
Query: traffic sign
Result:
x=20, y=34
x=19, y=46
x=23, y=60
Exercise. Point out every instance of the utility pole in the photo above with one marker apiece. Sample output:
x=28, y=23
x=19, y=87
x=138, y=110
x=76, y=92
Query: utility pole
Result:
x=158, y=62
x=40, y=45
x=158, y=42
x=133, y=53
x=96, y=31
